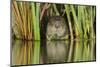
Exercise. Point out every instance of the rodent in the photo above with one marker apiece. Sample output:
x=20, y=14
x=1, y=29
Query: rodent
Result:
x=56, y=28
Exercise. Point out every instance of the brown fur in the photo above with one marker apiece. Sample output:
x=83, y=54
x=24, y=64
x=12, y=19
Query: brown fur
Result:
x=56, y=28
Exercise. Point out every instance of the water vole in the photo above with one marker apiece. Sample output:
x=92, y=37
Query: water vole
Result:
x=56, y=28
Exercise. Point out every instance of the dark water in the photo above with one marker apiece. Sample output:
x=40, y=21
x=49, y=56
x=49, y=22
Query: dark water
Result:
x=45, y=52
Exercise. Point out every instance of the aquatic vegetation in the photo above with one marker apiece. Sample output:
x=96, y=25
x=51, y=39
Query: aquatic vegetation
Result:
x=29, y=18
x=45, y=33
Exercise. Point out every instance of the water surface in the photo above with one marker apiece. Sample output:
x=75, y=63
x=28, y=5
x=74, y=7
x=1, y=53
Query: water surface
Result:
x=46, y=52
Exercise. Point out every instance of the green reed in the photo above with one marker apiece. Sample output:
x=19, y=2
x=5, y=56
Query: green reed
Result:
x=69, y=20
x=21, y=20
x=55, y=9
x=35, y=20
x=76, y=22
x=25, y=21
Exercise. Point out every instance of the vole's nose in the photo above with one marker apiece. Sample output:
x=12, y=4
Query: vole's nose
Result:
x=57, y=25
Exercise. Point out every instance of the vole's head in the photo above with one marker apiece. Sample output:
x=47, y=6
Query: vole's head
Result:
x=56, y=27
x=56, y=22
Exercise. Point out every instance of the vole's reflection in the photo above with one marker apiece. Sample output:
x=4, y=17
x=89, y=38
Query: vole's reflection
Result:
x=56, y=51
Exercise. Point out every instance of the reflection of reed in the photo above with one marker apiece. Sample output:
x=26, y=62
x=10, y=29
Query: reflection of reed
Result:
x=93, y=49
x=24, y=52
x=69, y=51
x=84, y=50
x=78, y=48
